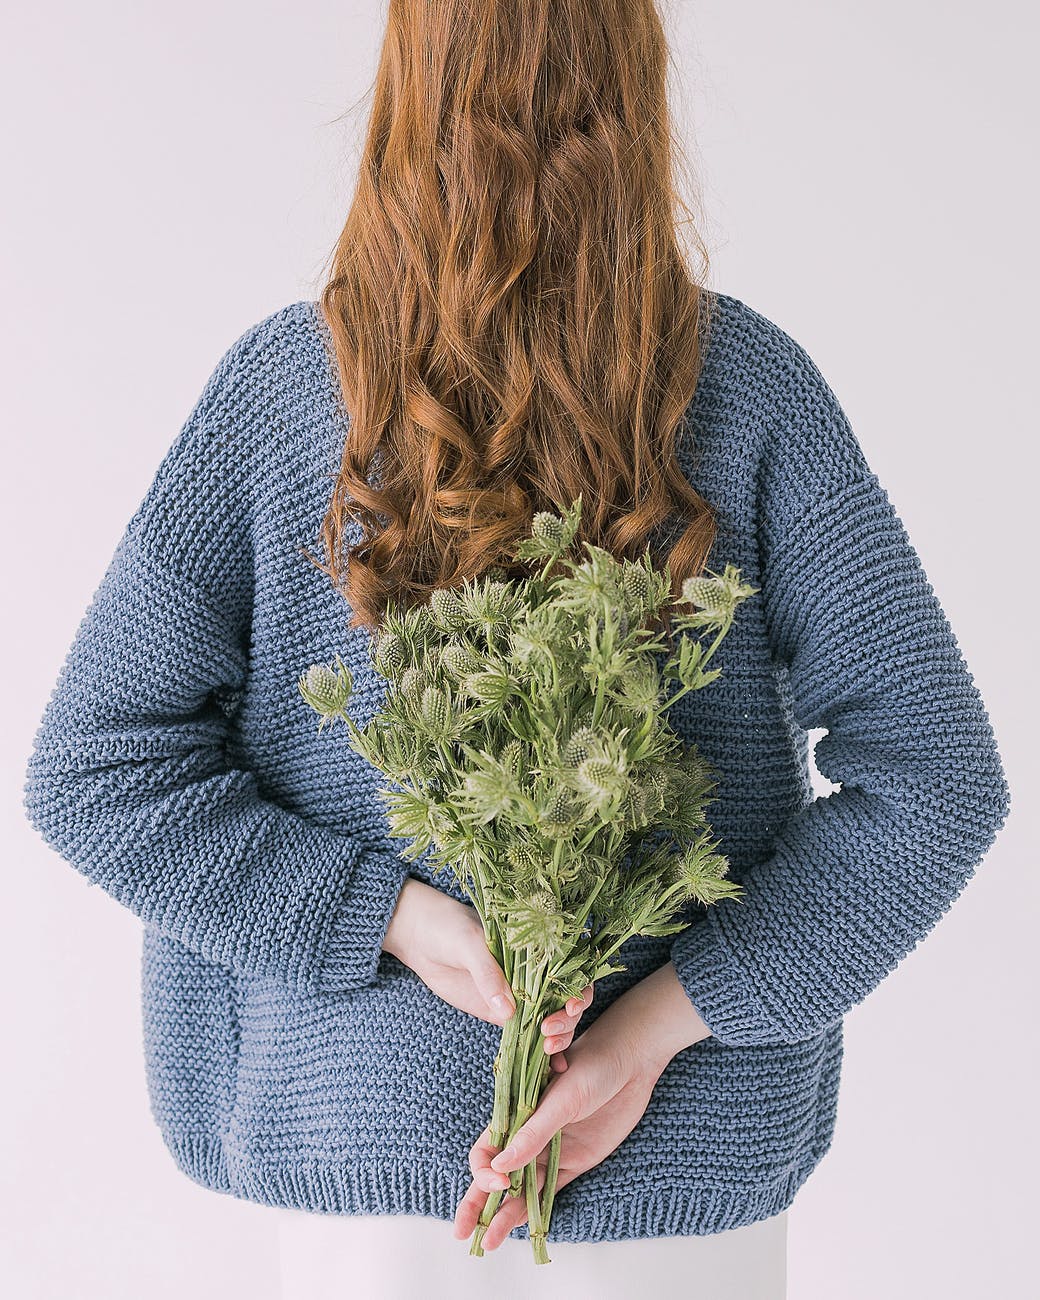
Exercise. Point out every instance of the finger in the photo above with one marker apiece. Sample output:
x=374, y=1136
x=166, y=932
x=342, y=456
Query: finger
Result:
x=582, y=1002
x=468, y=1211
x=558, y=1062
x=559, y=1105
x=511, y=1213
x=560, y=1022
x=491, y=983
x=569, y=1015
x=470, y=1208
x=577, y=1005
x=480, y=1157
x=556, y=1043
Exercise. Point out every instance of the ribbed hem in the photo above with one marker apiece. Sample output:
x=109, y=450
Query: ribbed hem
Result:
x=417, y=1187
x=355, y=942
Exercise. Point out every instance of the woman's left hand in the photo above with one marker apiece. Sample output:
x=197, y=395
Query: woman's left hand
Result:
x=597, y=1101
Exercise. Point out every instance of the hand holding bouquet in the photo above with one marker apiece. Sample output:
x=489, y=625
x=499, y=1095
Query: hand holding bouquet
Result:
x=525, y=736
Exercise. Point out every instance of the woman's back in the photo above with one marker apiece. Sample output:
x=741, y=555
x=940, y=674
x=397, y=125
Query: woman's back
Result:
x=293, y=1062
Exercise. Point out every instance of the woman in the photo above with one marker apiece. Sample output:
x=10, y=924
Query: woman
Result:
x=508, y=322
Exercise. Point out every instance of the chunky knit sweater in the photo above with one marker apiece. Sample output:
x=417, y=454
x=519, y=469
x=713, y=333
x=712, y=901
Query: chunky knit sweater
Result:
x=290, y=1061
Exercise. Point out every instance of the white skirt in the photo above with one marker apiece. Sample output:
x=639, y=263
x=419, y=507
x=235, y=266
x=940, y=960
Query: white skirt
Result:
x=399, y=1256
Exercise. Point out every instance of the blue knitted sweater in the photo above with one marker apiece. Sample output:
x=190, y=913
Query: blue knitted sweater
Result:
x=289, y=1060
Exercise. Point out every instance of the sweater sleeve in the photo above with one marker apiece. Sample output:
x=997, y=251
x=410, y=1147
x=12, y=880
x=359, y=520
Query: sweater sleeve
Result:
x=857, y=878
x=129, y=778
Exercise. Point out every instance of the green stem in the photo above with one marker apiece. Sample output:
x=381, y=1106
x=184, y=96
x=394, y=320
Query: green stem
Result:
x=536, y=1229
x=524, y=1079
x=552, y=1171
x=677, y=695
x=504, y=1065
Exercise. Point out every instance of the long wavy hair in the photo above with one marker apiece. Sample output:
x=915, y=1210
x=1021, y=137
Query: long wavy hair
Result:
x=513, y=317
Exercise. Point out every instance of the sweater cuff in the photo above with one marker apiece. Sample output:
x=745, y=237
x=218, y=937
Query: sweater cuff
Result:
x=718, y=988
x=355, y=940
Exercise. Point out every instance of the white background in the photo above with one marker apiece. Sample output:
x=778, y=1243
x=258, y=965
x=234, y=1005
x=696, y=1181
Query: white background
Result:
x=177, y=172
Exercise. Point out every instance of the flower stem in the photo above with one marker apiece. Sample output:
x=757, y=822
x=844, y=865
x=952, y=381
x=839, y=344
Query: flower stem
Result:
x=504, y=1065
x=552, y=1170
x=536, y=1229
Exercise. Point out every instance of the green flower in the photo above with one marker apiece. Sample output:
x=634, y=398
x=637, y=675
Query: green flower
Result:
x=600, y=778
x=580, y=746
x=716, y=597
x=537, y=921
x=701, y=871
x=561, y=816
x=490, y=604
x=551, y=535
x=447, y=609
x=549, y=527
x=327, y=689
x=436, y=713
x=491, y=686
x=460, y=658
x=488, y=789
x=389, y=658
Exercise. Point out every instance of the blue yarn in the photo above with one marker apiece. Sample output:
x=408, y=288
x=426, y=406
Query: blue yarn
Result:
x=289, y=1060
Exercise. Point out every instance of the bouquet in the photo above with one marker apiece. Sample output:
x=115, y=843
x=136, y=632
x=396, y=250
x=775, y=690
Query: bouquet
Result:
x=525, y=739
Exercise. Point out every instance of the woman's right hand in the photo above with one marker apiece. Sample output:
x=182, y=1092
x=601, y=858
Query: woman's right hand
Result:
x=442, y=940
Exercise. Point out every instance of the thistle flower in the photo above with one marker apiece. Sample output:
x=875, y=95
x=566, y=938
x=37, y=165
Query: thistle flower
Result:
x=549, y=527
x=537, y=923
x=410, y=681
x=327, y=688
x=460, y=658
x=580, y=746
x=528, y=642
x=488, y=789
x=716, y=596
x=436, y=713
x=490, y=604
x=701, y=872
x=600, y=779
x=522, y=860
x=640, y=690
x=593, y=586
x=551, y=535
x=447, y=609
x=389, y=658
x=493, y=685
x=513, y=757
x=561, y=815
x=637, y=585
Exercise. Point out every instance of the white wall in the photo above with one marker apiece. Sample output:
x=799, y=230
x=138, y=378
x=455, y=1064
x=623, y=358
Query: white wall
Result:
x=177, y=172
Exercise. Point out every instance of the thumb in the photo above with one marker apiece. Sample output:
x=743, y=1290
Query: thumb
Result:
x=493, y=986
x=559, y=1105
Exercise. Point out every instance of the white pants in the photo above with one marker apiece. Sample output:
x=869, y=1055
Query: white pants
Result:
x=399, y=1256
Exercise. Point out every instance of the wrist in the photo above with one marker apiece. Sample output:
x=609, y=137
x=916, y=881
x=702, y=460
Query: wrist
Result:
x=661, y=1019
x=395, y=939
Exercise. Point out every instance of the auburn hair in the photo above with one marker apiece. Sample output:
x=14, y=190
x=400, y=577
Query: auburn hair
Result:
x=513, y=316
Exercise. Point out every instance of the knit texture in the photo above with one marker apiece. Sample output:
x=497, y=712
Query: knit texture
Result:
x=289, y=1060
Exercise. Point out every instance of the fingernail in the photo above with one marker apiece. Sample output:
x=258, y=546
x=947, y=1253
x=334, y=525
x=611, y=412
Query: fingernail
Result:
x=503, y=1158
x=502, y=1005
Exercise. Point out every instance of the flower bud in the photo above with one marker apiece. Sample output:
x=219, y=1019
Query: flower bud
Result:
x=327, y=688
x=547, y=525
x=389, y=655
x=447, y=609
